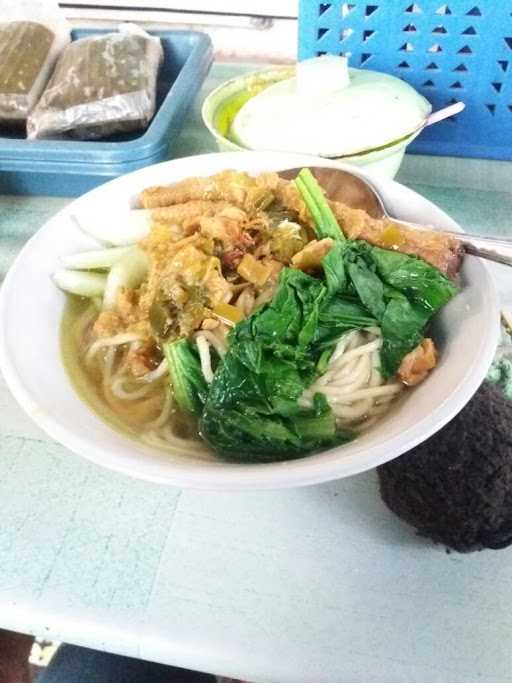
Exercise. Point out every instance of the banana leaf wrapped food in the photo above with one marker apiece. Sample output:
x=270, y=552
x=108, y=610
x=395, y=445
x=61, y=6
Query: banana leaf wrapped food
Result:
x=101, y=85
x=27, y=54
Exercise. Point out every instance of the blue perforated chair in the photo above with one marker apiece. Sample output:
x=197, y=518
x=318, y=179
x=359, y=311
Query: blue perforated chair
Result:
x=460, y=50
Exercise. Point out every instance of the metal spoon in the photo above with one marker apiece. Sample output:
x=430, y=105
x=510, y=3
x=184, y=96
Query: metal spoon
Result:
x=343, y=186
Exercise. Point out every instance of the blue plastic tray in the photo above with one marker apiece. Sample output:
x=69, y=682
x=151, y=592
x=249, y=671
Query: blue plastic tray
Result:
x=449, y=50
x=69, y=168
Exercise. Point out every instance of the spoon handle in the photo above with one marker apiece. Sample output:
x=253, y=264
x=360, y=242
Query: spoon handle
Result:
x=444, y=113
x=489, y=247
x=498, y=249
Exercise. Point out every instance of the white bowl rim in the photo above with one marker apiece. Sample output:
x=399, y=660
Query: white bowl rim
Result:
x=285, y=474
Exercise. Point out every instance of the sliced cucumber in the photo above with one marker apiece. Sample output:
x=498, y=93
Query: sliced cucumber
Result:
x=124, y=229
x=98, y=259
x=83, y=284
x=129, y=271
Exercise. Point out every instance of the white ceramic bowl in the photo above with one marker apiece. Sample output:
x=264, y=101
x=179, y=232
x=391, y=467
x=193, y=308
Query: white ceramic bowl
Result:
x=30, y=315
x=385, y=162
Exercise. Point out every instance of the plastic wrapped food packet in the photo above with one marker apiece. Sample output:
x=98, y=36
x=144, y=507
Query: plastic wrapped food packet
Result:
x=32, y=34
x=101, y=85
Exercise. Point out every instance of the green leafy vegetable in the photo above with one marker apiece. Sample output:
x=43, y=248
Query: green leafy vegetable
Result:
x=324, y=219
x=402, y=330
x=401, y=291
x=252, y=411
x=334, y=269
x=340, y=315
x=377, y=277
x=188, y=384
x=413, y=277
x=369, y=287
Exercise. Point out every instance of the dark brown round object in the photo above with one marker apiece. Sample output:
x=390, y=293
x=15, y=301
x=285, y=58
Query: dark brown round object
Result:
x=456, y=487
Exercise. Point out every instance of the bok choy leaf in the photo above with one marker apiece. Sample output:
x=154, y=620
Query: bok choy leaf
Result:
x=252, y=411
x=187, y=381
x=324, y=219
x=401, y=291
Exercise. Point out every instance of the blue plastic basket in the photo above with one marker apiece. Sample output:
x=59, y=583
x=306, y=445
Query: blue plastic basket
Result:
x=71, y=167
x=448, y=50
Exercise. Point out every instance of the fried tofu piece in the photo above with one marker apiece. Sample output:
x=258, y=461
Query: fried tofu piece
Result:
x=310, y=258
x=189, y=210
x=416, y=365
x=442, y=252
x=234, y=187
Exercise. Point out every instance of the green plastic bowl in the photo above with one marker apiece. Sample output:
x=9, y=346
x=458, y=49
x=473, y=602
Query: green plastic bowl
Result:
x=222, y=105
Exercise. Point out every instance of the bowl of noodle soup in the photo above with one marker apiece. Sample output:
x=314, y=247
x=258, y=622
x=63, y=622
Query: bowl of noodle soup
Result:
x=39, y=360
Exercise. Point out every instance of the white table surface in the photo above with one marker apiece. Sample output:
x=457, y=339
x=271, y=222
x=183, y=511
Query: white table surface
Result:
x=313, y=585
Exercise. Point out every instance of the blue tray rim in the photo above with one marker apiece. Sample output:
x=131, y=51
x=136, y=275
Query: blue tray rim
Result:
x=147, y=145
